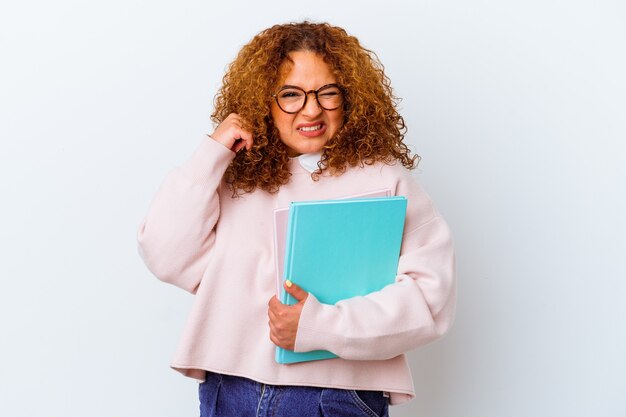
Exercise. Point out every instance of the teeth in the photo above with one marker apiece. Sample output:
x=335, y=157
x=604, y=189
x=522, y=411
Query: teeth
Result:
x=311, y=128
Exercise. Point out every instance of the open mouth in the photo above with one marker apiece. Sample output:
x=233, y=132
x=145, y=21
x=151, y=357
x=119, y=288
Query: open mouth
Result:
x=310, y=128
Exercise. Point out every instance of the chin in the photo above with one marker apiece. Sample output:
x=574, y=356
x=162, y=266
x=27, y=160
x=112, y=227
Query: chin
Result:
x=296, y=149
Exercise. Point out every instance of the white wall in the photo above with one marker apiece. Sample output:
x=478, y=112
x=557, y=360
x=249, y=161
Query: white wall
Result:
x=518, y=109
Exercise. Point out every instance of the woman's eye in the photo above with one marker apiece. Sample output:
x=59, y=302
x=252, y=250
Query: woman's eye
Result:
x=290, y=94
x=330, y=92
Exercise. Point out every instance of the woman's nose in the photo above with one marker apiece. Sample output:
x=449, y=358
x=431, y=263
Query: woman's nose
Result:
x=311, y=107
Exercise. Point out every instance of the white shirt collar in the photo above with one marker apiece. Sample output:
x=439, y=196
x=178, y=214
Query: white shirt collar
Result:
x=309, y=161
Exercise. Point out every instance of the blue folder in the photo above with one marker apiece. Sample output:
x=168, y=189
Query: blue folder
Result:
x=337, y=249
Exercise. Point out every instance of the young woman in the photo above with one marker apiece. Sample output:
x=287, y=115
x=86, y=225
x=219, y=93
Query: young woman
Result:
x=304, y=113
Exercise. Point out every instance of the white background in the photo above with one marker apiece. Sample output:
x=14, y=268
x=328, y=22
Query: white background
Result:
x=517, y=107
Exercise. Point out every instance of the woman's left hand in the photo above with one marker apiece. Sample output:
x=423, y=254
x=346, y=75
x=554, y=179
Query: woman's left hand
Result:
x=284, y=318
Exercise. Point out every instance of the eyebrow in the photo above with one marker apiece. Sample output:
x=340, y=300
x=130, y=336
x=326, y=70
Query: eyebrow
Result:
x=290, y=86
x=300, y=88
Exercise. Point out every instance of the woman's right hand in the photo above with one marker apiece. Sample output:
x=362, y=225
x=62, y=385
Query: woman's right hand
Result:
x=231, y=134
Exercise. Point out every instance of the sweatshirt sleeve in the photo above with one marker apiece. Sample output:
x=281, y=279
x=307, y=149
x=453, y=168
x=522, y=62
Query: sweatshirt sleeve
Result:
x=417, y=309
x=175, y=237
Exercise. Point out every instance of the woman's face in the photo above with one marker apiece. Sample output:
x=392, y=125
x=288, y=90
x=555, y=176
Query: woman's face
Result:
x=309, y=129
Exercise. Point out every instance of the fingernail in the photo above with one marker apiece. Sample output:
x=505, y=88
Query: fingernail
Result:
x=288, y=283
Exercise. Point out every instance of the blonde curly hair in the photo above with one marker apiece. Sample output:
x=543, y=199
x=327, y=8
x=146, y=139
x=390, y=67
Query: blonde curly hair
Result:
x=372, y=130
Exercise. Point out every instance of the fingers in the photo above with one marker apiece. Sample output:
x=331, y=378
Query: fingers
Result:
x=278, y=342
x=239, y=145
x=274, y=303
x=283, y=322
x=243, y=137
x=246, y=137
x=232, y=135
x=295, y=291
x=282, y=337
x=272, y=316
x=277, y=330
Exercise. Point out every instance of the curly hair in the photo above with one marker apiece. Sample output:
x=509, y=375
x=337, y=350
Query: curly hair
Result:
x=372, y=130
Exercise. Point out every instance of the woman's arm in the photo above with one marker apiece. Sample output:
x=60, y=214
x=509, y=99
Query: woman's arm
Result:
x=177, y=234
x=418, y=308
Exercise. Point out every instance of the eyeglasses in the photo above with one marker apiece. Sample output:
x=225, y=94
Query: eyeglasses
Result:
x=292, y=99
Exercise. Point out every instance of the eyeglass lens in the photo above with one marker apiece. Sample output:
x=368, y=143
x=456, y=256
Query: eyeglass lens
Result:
x=293, y=99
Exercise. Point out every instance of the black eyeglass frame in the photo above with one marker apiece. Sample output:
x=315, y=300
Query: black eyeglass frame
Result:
x=306, y=96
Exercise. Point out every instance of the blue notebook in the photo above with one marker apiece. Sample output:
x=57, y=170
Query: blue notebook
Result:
x=337, y=249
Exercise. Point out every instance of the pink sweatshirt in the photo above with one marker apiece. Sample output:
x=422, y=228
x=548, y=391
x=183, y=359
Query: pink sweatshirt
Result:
x=197, y=237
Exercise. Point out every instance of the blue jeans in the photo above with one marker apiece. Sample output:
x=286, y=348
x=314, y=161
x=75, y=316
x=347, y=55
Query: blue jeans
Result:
x=232, y=396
